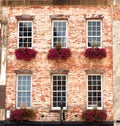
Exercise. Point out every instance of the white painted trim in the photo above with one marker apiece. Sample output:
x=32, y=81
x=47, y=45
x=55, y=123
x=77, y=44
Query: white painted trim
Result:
x=3, y=54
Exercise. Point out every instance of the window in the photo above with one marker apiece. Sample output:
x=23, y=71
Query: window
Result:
x=94, y=33
x=25, y=33
x=94, y=91
x=59, y=91
x=59, y=32
x=24, y=90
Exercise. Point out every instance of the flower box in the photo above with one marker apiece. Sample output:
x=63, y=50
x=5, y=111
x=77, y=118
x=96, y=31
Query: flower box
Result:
x=22, y=114
x=94, y=115
x=98, y=53
x=62, y=53
x=25, y=54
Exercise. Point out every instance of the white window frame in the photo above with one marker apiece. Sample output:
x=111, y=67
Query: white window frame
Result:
x=58, y=108
x=53, y=31
x=23, y=91
x=101, y=92
x=93, y=35
x=23, y=35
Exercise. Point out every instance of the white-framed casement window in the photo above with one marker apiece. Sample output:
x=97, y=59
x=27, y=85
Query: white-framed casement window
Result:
x=59, y=33
x=25, y=34
x=94, y=33
x=24, y=84
x=59, y=96
x=94, y=91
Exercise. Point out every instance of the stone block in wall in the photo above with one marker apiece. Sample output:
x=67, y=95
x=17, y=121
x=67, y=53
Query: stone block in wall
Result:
x=2, y=114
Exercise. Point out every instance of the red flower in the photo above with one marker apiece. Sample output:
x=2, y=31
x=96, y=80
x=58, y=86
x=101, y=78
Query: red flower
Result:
x=94, y=115
x=16, y=115
x=95, y=53
x=25, y=53
x=53, y=54
x=22, y=114
x=62, y=53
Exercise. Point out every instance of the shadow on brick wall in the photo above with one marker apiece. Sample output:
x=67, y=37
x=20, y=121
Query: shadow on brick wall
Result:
x=2, y=96
x=57, y=124
x=1, y=123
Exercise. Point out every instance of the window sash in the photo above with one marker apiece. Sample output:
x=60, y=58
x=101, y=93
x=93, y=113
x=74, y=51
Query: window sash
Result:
x=23, y=90
x=59, y=94
x=94, y=33
x=59, y=33
x=25, y=34
x=94, y=91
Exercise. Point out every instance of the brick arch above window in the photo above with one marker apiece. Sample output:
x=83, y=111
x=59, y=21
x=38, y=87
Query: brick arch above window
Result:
x=93, y=17
x=94, y=71
x=23, y=71
x=24, y=17
x=59, y=71
x=59, y=17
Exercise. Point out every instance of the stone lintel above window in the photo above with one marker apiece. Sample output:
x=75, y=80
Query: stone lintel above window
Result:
x=59, y=71
x=93, y=17
x=24, y=17
x=94, y=71
x=59, y=17
x=23, y=71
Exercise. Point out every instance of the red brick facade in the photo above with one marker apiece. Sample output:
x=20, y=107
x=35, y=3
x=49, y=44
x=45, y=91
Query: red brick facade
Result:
x=77, y=65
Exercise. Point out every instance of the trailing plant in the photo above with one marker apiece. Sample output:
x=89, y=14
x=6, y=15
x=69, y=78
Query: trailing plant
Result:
x=22, y=114
x=25, y=54
x=94, y=115
x=62, y=53
x=96, y=52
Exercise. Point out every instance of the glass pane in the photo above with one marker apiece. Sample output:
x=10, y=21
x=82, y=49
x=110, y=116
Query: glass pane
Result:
x=94, y=93
x=54, y=78
x=54, y=104
x=55, y=94
x=89, y=93
x=98, y=23
x=89, y=77
x=89, y=82
x=94, y=77
x=63, y=88
x=94, y=88
x=59, y=77
x=89, y=98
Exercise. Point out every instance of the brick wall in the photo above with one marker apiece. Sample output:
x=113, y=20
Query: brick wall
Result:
x=77, y=64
